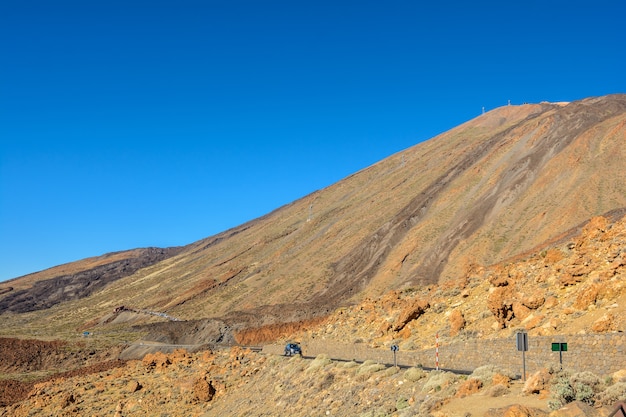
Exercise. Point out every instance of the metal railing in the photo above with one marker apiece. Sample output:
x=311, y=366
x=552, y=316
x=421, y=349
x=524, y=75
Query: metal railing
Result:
x=620, y=407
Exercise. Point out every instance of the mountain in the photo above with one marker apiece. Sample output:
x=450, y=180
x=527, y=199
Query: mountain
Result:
x=492, y=189
x=515, y=220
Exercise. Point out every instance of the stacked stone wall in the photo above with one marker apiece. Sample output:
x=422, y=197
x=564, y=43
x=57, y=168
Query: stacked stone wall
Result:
x=601, y=354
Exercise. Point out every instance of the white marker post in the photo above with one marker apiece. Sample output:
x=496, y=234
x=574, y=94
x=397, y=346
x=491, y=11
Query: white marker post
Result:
x=437, y=351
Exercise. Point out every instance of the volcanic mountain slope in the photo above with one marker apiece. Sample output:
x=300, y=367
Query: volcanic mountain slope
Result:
x=76, y=280
x=492, y=188
x=572, y=286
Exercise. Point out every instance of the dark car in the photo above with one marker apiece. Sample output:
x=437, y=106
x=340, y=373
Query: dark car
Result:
x=293, y=349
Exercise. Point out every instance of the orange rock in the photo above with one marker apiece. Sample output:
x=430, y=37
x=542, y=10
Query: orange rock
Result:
x=405, y=333
x=203, y=390
x=457, y=322
x=603, y=324
x=551, y=302
x=415, y=309
x=553, y=256
x=499, y=379
x=587, y=297
x=469, y=387
x=576, y=409
x=534, y=322
x=520, y=310
x=500, y=305
x=133, y=386
x=157, y=360
x=537, y=382
x=534, y=301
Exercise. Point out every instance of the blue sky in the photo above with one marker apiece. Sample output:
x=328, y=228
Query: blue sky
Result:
x=133, y=124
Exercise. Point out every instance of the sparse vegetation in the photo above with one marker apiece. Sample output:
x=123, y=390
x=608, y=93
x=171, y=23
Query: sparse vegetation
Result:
x=313, y=267
x=581, y=386
x=612, y=394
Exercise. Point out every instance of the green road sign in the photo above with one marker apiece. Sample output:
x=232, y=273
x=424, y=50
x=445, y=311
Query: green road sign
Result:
x=559, y=347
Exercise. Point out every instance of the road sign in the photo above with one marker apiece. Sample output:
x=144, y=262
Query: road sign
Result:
x=560, y=347
x=394, y=349
x=521, y=341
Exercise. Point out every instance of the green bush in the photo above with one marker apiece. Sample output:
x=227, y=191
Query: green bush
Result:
x=497, y=390
x=319, y=362
x=582, y=386
x=438, y=380
x=486, y=373
x=402, y=403
x=414, y=374
x=370, y=368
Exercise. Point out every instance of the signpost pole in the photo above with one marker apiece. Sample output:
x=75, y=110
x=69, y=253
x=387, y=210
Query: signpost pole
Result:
x=395, y=349
x=437, y=351
x=521, y=340
x=560, y=347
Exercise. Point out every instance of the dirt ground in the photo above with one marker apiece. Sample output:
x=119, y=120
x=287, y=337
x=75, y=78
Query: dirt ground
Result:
x=479, y=404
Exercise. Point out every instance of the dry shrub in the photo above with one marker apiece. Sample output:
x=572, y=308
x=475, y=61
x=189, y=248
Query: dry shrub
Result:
x=370, y=367
x=582, y=386
x=392, y=370
x=486, y=373
x=414, y=374
x=430, y=404
x=438, y=380
x=614, y=393
x=319, y=362
x=350, y=365
x=497, y=390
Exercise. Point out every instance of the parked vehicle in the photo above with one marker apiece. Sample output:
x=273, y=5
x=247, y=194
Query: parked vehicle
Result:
x=293, y=349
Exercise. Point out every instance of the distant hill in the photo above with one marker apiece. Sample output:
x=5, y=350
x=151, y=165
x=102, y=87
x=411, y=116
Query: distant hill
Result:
x=492, y=189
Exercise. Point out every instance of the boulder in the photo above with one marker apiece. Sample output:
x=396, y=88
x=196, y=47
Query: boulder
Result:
x=500, y=304
x=457, y=322
x=202, y=390
x=587, y=297
x=410, y=313
x=537, y=382
x=603, y=324
x=576, y=409
x=469, y=387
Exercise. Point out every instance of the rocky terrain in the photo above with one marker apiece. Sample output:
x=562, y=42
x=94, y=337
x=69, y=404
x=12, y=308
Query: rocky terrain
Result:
x=576, y=285
x=512, y=221
x=490, y=189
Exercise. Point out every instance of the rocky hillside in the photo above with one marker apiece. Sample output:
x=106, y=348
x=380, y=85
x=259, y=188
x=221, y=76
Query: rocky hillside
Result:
x=574, y=285
x=76, y=280
x=489, y=190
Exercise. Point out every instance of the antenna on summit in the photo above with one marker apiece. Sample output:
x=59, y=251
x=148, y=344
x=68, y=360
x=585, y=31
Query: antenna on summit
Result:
x=483, y=109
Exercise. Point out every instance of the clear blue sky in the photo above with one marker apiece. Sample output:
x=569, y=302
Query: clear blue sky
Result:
x=128, y=124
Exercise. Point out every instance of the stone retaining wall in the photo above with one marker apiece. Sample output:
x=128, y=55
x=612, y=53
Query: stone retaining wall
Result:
x=601, y=354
